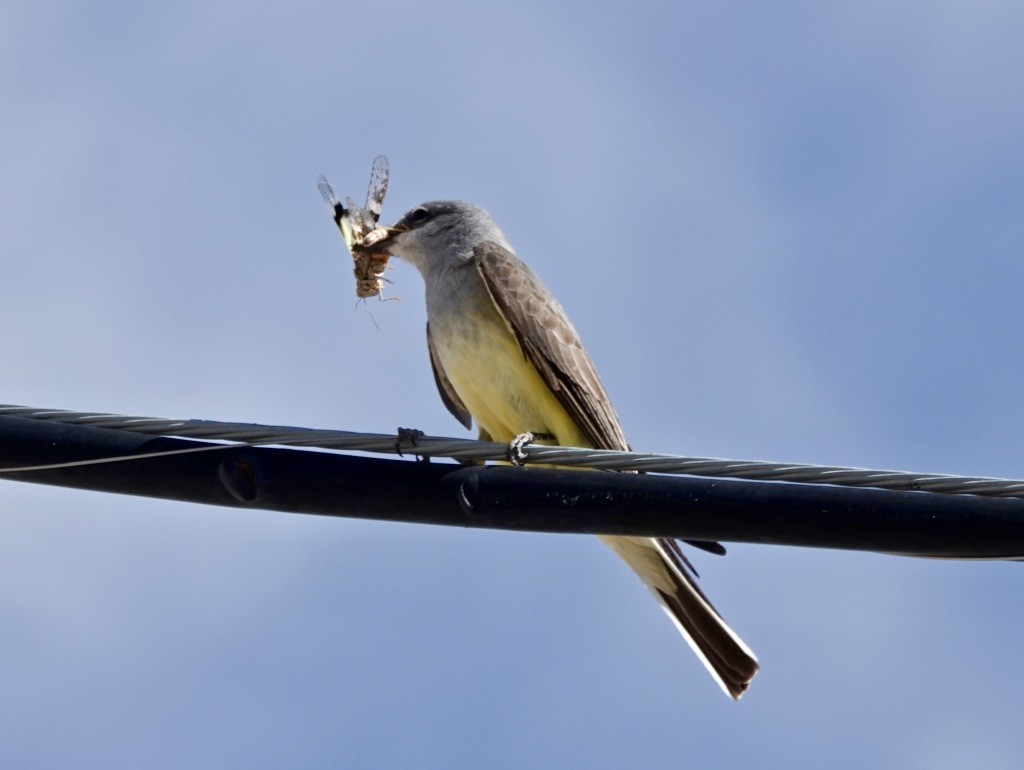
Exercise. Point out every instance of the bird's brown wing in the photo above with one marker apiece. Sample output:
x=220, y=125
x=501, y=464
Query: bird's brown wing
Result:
x=444, y=387
x=551, y=344
x=549, y=341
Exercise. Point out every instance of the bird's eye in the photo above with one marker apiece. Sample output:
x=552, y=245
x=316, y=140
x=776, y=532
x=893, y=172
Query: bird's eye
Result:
x=418, y=215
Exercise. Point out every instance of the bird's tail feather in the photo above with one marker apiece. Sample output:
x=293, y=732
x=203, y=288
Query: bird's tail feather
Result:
x=665, y=572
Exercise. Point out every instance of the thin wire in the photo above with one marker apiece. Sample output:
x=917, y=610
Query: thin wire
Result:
x=465, y=450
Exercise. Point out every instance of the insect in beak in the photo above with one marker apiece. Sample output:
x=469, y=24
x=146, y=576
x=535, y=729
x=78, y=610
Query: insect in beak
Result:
x=376, y=239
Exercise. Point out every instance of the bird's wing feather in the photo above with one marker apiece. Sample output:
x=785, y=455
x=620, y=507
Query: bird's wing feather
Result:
x=444, y=387
x=550, y=343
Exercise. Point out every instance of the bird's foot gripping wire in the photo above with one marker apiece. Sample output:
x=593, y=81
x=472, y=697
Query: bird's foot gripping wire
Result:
x=517, y=449
x=407, y=437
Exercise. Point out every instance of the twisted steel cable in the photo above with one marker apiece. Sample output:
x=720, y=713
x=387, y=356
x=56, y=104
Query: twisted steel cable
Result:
x=465, y=450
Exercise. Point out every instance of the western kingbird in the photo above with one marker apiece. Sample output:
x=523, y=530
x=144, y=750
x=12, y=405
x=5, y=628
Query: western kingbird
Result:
x=505, y=354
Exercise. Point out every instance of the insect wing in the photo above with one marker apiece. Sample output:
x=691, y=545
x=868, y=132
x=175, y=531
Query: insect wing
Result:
x=331, y=198
x=378, y=187
x=327, y=192
x=359, y=218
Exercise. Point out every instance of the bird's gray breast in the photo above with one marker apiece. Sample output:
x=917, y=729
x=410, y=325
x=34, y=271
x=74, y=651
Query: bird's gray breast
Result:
x=459, y=307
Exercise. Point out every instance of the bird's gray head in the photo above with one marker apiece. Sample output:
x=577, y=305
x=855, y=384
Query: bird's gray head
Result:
x=440, y=233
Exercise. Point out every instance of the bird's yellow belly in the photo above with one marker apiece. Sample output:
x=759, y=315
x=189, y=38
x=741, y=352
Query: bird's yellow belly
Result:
x=501, y=389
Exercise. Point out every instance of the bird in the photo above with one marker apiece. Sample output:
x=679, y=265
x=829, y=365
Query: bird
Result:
x=505, y=355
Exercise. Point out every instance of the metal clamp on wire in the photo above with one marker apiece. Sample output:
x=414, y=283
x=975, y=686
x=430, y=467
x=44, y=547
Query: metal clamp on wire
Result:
x=517, y=449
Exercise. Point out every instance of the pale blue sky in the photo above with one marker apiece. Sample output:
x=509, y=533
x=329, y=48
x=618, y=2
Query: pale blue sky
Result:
x=787, y=232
